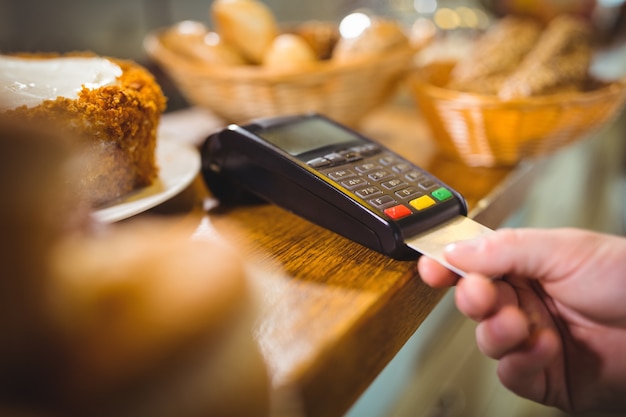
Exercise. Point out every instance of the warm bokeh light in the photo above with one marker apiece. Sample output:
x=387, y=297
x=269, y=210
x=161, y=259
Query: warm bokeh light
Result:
x=212, y=39
x=190, y=27
x=447, y=19
x=467, y=17
x=425, y=6
x=461, y=17
x=354, y=24
x=483, y=20
x=422, y=30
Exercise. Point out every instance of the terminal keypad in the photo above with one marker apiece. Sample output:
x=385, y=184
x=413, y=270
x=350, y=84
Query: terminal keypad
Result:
x=389, y=184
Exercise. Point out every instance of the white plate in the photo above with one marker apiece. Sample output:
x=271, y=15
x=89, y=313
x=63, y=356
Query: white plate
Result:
x=179, y=163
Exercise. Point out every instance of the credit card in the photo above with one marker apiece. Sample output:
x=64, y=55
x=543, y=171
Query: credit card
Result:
x=433, y=241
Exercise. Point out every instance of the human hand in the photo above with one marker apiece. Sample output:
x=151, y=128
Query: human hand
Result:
x=556, y=316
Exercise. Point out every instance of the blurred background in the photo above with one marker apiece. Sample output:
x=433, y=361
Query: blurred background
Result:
x=117, y=27
x=439, y=372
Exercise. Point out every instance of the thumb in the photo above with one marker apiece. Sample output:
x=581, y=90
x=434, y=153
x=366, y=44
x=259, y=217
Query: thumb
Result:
x=568, y=262
x=545, y=254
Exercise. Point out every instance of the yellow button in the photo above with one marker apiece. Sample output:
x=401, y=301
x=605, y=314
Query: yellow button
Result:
x=422, y=202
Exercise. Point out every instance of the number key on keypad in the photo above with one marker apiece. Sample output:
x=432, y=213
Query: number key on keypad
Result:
x=380, y=175
x=399, y=168
x=394, y=183
x=367, y=167
x=387, y=160
x=368, y=192
x=341, y=174
x=352, y=183
x=414, y=176
x=408, y=192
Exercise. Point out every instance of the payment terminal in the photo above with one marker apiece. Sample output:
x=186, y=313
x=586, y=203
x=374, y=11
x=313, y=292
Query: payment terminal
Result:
x=339, y=179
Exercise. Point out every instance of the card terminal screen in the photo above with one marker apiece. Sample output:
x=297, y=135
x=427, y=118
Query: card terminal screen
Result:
x=311, y=134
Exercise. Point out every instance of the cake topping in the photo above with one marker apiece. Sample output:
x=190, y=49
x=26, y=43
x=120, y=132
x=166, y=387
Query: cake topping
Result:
x=29, y=82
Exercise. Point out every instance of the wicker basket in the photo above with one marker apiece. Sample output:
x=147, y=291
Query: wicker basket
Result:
x=486, y=131
x=343, y=92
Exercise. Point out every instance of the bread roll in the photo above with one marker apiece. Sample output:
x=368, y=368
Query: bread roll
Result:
x=289, y=52
x=248, y=25
x=321, y=36
x=380, y=36
x=176, y=36
x=196, y=42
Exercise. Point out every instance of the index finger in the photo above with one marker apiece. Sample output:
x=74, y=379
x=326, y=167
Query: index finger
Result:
x=434, y=274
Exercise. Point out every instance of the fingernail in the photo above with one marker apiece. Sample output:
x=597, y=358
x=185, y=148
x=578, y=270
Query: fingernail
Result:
x=469, y=245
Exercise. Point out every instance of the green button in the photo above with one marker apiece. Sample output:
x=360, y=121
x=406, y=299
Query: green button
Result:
x=442, y=194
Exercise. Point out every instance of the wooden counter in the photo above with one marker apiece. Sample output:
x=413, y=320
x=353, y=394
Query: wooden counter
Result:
x=335, y=313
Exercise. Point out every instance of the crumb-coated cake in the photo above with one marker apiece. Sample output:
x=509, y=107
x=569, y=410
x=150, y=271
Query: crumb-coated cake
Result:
x=110, y=107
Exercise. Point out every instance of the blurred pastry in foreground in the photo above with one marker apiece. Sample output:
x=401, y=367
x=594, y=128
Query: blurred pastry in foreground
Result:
x=146, y=311
x=111, y=108
x=558, y=63
x=126, y=320
x=38, y=210
x=495, y=55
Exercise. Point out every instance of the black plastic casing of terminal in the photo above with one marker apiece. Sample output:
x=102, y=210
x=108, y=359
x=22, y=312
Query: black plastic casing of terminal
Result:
x=240, y=167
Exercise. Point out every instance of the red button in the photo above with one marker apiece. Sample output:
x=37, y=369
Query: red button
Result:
x=397, y=212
